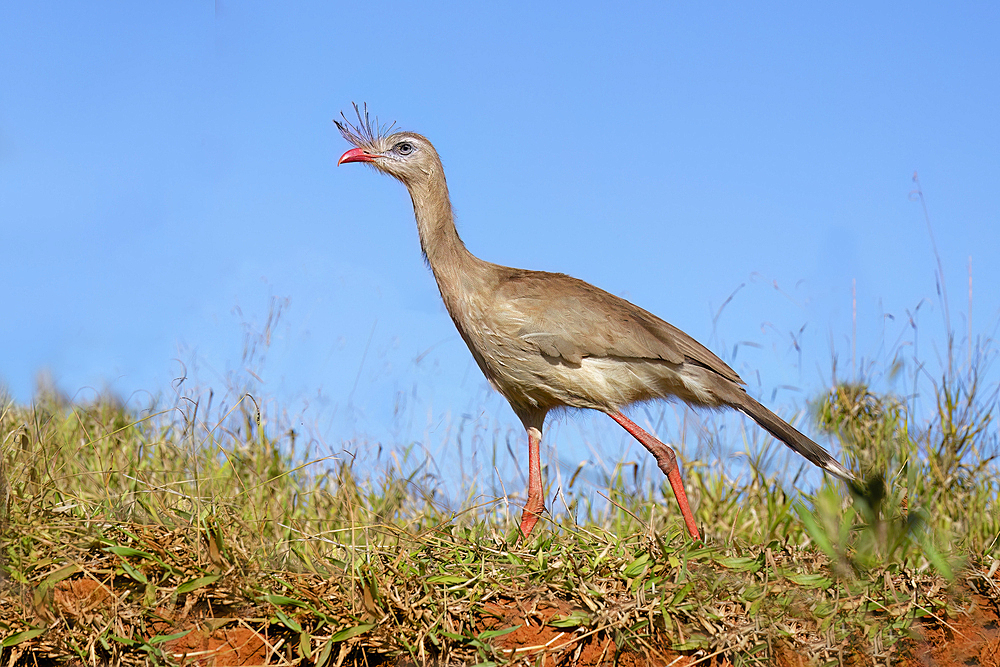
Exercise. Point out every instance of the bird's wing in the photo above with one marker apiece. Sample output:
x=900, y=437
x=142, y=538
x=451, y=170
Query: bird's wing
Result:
x=567, y=318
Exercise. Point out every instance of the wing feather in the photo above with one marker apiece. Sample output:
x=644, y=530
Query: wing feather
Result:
x=566, y=318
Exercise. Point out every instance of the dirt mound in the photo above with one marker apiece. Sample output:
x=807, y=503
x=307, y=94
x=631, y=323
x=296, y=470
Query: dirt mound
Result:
x=972, y=638
x=524, y=630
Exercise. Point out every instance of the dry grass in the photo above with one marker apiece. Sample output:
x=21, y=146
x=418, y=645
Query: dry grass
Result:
x=125, y=532
x=200, y=530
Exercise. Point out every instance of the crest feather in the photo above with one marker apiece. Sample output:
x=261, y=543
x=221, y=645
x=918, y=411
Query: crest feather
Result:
x=364, y=134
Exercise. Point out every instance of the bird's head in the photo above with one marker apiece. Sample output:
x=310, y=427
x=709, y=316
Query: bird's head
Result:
x=406, y=156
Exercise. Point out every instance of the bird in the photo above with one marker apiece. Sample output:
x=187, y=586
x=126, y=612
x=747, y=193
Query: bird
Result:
x=547, y=341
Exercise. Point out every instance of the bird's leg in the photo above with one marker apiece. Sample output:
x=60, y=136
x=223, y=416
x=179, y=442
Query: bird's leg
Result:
x=667, y=461
x=536, y=500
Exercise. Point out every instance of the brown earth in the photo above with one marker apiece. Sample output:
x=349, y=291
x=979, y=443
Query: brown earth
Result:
x=211, y=640
x=968, y=639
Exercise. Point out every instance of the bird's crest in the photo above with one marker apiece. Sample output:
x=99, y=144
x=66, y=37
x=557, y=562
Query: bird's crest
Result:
x=364, y=134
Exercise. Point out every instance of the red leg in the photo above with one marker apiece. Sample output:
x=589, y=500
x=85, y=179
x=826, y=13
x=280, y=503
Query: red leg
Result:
x=536, y=500
x=667, y=461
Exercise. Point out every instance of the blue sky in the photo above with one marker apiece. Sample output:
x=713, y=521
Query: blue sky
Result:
x=167, y=170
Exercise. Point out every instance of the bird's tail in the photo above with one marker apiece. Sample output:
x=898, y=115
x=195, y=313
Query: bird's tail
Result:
x=785, y=432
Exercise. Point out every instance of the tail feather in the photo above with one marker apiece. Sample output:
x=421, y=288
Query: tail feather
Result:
x=783, y=431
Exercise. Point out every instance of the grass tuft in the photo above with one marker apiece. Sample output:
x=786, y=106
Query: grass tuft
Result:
x=156, y=536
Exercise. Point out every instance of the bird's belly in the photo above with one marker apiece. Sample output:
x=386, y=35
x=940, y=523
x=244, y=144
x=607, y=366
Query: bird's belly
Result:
x=600, y=383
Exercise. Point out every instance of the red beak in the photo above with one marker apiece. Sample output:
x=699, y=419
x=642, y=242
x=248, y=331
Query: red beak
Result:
x=355, y=155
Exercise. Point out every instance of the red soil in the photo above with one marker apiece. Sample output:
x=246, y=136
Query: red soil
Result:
x=972, y=638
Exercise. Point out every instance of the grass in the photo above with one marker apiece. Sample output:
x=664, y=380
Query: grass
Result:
x=200, y=518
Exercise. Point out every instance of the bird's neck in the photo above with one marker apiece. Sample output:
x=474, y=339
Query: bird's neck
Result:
x=449, y=259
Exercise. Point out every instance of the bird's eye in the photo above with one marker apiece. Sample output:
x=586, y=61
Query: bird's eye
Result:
x=404, y=148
